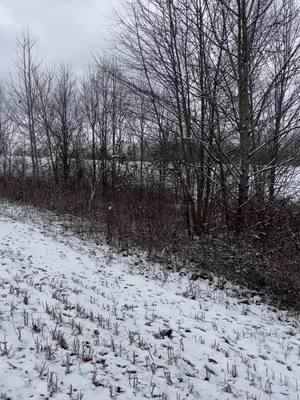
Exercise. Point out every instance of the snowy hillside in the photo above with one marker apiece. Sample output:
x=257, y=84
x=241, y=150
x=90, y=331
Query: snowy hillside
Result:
x=78, y=321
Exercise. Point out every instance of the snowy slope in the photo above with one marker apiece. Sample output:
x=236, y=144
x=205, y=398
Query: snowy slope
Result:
x=80, y=322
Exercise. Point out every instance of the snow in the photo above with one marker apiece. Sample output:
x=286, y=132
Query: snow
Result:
x=290, y=182
x=79, y=321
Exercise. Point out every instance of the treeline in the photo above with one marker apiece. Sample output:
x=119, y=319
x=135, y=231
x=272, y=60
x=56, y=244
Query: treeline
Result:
x=199, y=109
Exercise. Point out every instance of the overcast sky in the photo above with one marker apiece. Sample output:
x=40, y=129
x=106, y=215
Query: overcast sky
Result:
x=68, y=30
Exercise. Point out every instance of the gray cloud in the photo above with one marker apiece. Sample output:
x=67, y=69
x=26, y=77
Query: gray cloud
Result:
x=68, y=30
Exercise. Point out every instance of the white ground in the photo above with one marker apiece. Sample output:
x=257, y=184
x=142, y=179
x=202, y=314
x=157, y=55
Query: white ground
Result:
x=78, y=321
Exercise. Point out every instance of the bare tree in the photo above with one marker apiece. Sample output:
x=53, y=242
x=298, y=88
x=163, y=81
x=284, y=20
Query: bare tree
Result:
x=6, y=129
x=67, y=119
x=23, y=92
x=45, y=119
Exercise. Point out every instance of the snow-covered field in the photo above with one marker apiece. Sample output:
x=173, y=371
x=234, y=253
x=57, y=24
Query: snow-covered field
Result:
x=287, y=185
x=78, y=321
